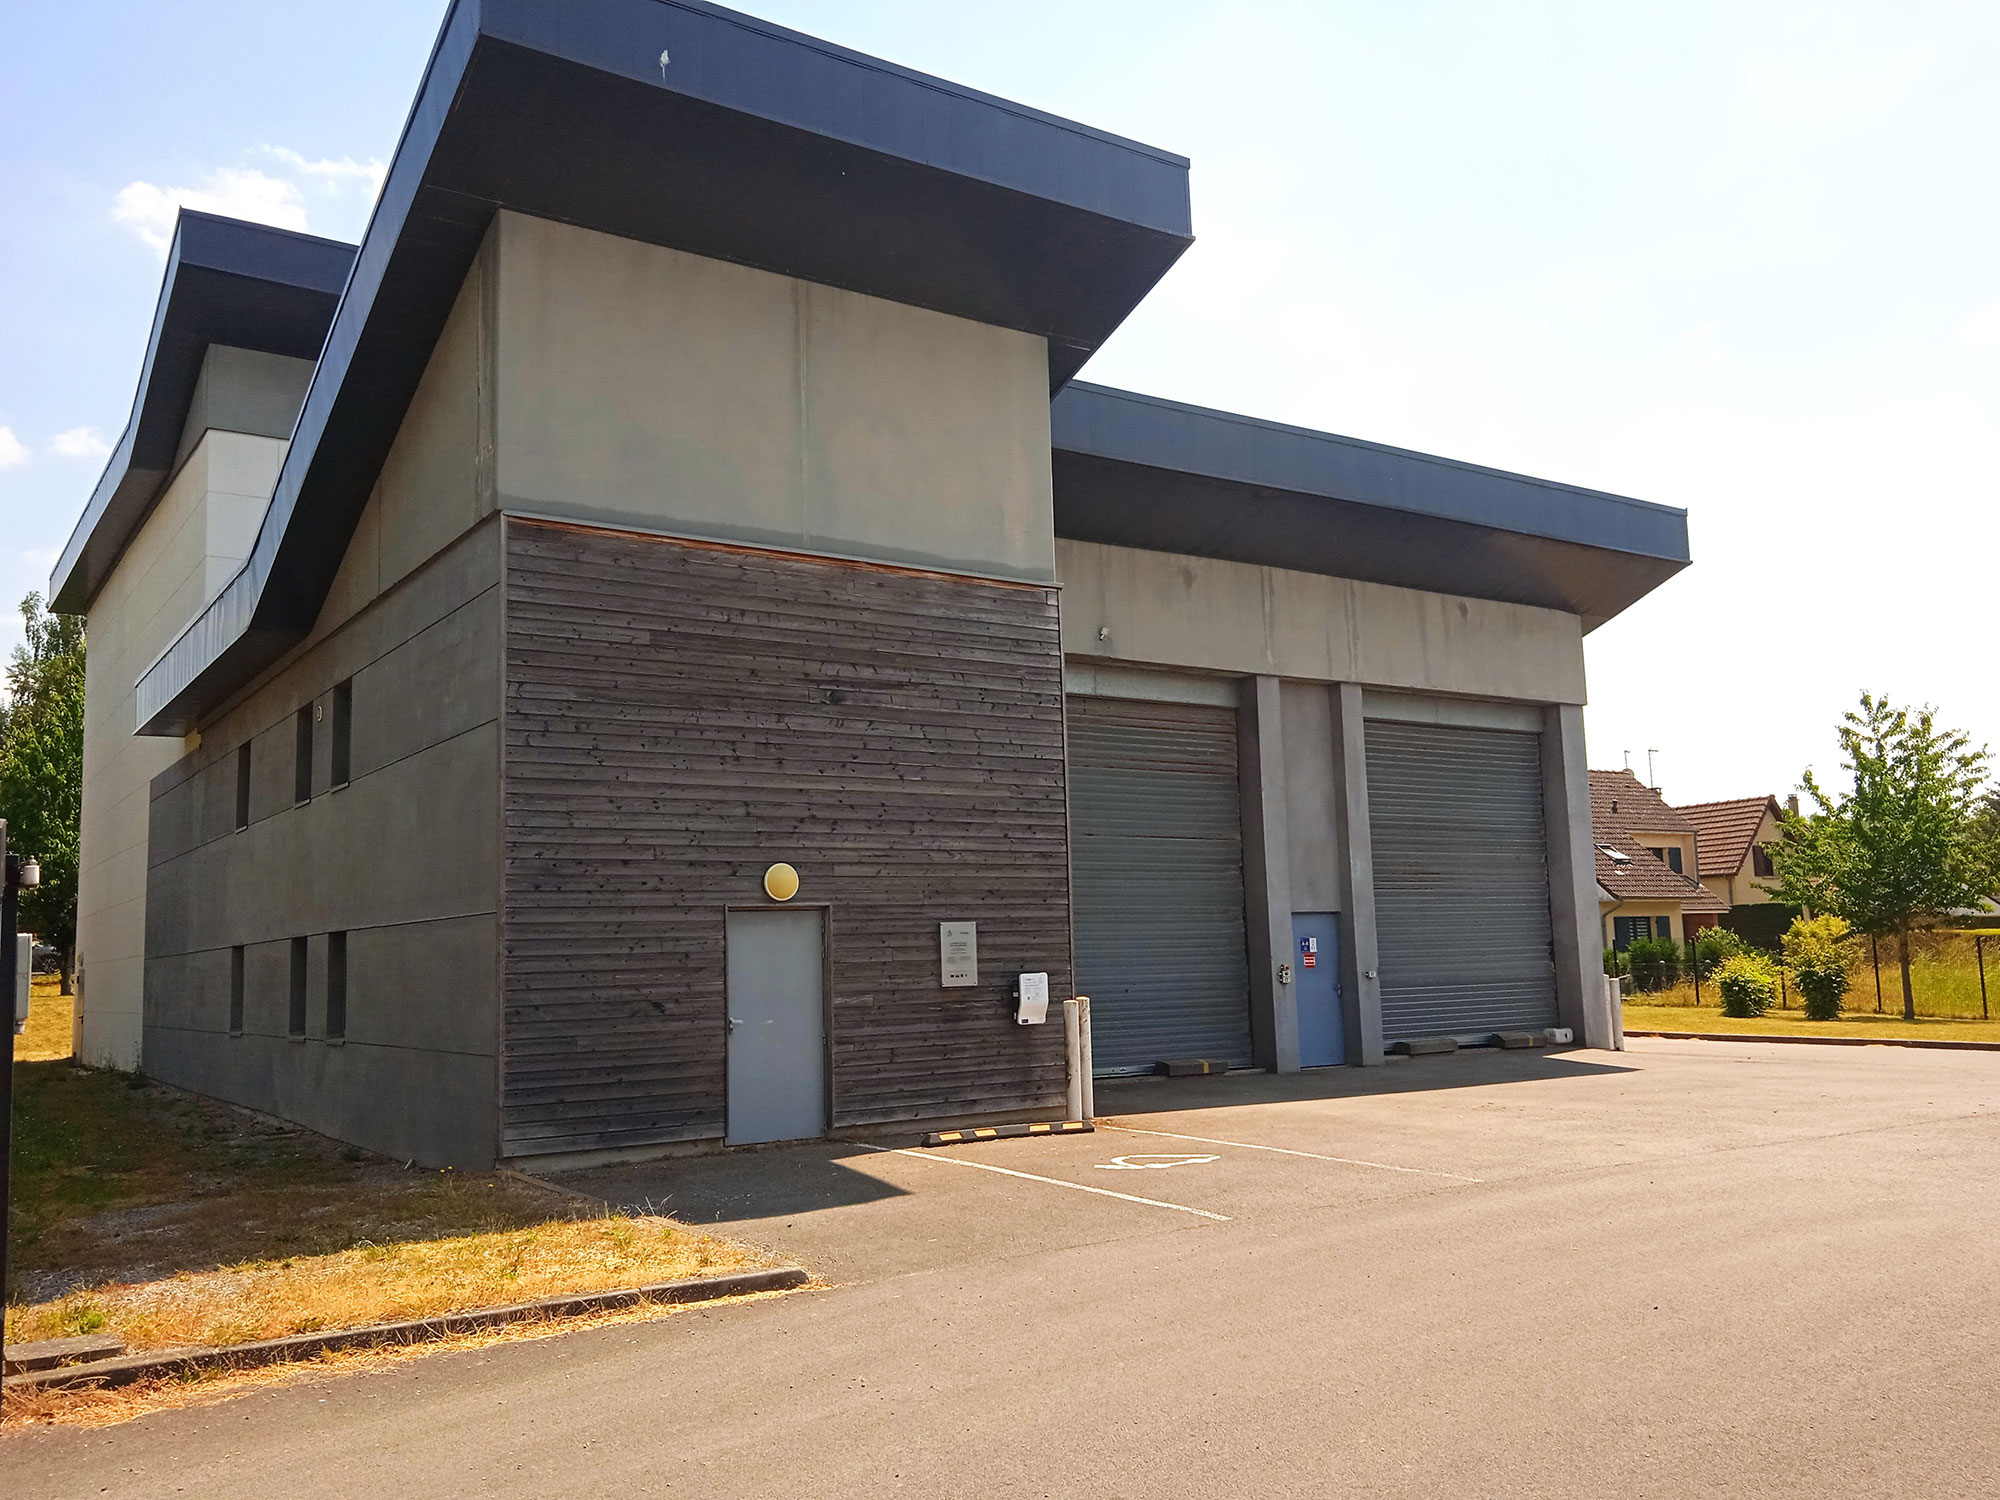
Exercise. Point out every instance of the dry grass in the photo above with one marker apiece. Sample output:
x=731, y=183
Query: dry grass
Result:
x=170, y=1220
x=1944, y=979
x=384, y=1283
x=49, y=1011
x=1650, y=1017
x=100, y=1407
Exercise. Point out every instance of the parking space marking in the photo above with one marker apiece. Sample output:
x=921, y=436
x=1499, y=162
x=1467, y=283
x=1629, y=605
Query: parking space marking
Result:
x=1345, y=1161
x=1146, y=1161
x=1075, y=1187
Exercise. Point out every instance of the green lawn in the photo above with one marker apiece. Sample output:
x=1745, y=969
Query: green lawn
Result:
x=1639, y=1017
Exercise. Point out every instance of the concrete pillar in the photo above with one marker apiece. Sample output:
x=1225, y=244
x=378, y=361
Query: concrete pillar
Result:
x=1573, y=913
x=1267, y=876
x=1360, y=984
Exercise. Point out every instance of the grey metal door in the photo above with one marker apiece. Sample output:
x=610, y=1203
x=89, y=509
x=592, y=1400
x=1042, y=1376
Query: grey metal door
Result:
x=1461, y=880
x=777, y=1025
x=1156, y=851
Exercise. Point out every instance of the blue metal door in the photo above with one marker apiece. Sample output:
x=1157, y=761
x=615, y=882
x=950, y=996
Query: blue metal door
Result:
x=1316, y=982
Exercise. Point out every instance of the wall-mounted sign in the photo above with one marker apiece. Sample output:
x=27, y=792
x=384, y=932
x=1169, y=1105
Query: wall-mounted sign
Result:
x=1308, y=953
x=958, y=954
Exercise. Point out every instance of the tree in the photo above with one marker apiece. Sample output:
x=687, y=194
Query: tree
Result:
x=1906, y=846
x=41, y=770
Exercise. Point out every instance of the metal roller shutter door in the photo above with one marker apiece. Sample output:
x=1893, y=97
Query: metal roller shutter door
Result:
x=1461, y=880
x=1156, y=850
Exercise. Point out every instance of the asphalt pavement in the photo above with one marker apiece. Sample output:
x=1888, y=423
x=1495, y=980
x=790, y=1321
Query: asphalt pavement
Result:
x=1694, y=1268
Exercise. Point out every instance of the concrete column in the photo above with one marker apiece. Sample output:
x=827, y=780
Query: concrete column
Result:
x=1578, y=932
x=1267, y=876
x=1360, y=984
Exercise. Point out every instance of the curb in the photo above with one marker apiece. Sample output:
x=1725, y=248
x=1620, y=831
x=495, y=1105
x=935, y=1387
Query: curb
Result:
x=1006, y=1132
x=124, y=1371
x=1935, y=1044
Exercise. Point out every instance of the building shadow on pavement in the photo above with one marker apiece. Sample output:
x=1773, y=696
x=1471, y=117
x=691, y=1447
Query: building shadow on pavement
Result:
x=739, y=1186
x=1475, y=1067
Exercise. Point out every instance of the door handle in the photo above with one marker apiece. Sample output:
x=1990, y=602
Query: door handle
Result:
x=734, y=1022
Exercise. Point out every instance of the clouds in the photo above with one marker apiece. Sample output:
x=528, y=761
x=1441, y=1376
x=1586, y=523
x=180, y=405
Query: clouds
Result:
x=1982, y=329
x=79, y=442
x=282, y=197
x=73, y=442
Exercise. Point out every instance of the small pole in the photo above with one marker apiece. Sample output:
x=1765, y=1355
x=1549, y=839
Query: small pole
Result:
x=8, y=961
x=1784, y=995
x=1875, y=947
x=1979, y=951
x=1694, y=963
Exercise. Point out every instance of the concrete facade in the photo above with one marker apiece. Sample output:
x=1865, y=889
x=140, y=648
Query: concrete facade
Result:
x=649, y=389
x=403, y=858
x=1126, y=605
x=198, y=534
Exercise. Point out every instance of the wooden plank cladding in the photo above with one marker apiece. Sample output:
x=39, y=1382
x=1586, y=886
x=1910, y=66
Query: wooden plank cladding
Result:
x=680, y=716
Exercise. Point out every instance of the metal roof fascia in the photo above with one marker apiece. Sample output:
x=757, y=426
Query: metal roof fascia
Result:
x=811, y=84
x=1102, y=422
x=204, y=246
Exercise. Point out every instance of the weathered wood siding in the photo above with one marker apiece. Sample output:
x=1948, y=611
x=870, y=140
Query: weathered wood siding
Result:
x=679, y=717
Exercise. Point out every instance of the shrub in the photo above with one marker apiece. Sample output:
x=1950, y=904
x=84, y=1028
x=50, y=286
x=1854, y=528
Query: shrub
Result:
x=1816, y=953
x=1655, y=963
x=1714, y=947
x=1749, y=985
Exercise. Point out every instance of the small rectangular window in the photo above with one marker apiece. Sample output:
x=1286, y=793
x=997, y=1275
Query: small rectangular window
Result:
x=236, y=992
x=1674, y=858
x=336, y=986
x=302, y=762
x=343, y=730
x=1760, y=861
x=298, y=1015
x=243, y=785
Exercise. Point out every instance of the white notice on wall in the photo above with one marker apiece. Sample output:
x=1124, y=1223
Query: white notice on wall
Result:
x=958, y=954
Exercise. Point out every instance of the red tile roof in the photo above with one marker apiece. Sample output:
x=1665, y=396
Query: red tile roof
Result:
x=1727, y=829
x=1622, y=805
x=1644, y=876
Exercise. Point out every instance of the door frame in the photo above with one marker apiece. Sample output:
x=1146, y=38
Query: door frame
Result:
x=825, y=910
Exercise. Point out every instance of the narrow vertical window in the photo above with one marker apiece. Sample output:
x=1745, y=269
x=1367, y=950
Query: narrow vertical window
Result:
x=336, y=986
x=243, y=785
x=298, y=1015
x=343, y=730
x=236, y=992
x=302, y=756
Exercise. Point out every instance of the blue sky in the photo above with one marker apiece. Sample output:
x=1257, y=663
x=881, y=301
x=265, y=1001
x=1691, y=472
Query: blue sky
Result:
x=1743, y=259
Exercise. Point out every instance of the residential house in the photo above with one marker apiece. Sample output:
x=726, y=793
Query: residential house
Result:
x=1735, y=839
x=1646, y=855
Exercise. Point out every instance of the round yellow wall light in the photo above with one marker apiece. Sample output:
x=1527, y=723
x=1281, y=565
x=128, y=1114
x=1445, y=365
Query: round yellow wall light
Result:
x=781, y=882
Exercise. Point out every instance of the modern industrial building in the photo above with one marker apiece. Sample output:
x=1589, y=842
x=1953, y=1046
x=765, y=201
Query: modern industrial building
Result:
x=687, y=475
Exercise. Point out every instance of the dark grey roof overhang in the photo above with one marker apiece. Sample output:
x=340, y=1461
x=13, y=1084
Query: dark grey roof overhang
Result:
x=685, y=125
x=226, y=282
x=1136, y=471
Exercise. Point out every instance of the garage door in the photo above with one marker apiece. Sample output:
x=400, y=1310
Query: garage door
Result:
x=1156, y=848
x=1461, y=880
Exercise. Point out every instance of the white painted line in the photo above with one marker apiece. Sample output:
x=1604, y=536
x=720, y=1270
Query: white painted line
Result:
x=1345, y=1161
x=1075, y=1187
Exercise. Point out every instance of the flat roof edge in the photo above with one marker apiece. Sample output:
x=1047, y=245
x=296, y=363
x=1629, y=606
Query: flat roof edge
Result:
x=1195, y=449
